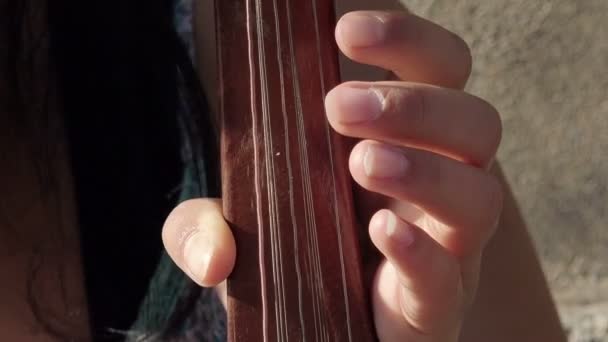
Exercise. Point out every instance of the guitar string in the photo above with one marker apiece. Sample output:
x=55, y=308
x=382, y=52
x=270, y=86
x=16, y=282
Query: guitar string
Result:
x=271, y=222
x=289, y=170
x=333, y=172
x=318, y=280
x=319, y=283
x=307, y=223
x=308, y=208
x=274, y=224
x=256, y=168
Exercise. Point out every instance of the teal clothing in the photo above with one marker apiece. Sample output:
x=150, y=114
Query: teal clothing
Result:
x=208, y=319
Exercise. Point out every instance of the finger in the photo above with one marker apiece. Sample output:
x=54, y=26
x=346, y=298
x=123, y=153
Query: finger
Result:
x=465, y=200
x=418, y=294
x=442, y=120
x=413, y=48
x=199, y=241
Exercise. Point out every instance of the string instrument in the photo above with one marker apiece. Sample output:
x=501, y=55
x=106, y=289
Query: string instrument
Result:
x=285, y=188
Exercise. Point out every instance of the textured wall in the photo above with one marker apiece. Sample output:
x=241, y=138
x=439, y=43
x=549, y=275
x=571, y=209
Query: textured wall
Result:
x=544, y=65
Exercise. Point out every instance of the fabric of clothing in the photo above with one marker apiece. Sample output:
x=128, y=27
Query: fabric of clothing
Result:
x=207, y=322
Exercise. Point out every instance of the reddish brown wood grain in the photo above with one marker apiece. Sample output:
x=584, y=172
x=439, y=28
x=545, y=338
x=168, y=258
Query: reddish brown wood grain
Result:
x=285, y=187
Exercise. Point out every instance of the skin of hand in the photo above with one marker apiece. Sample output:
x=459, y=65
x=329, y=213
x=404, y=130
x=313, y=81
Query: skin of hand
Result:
x=422, y=165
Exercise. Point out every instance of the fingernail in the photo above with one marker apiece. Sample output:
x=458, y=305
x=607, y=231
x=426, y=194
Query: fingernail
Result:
x=198, y=253
x=397, y=230
x=362, y=30
x=384, y=162
x=357, y=105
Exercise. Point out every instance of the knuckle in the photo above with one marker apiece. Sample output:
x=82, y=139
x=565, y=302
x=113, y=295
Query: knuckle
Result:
x=430, y=169
x=408, y=103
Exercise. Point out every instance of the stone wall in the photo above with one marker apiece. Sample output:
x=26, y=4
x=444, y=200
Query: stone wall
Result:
x=544, y=65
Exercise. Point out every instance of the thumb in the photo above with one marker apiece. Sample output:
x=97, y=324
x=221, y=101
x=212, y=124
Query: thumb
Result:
x=199, y=241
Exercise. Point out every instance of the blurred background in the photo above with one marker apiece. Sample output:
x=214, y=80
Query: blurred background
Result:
x=544, y=65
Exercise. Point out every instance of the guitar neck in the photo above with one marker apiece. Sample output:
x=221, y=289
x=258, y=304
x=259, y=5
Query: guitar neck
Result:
x=285, y=188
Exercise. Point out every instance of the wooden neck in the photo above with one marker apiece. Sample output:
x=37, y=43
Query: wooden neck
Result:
x=285, y=186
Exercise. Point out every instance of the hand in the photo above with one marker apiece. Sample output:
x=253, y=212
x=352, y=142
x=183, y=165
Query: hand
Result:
x=422, y=166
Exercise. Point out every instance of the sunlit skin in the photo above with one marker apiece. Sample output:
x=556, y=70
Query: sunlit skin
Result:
x=432, y=195
x=438, y=206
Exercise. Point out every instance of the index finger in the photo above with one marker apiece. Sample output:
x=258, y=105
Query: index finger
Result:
x=414, y=48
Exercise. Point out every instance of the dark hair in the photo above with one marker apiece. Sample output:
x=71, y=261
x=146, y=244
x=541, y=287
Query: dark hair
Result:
x=118, y=72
